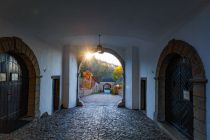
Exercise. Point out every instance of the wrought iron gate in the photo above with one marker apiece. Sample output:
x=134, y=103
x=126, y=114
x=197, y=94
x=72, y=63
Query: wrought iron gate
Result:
x=179, y=99
x=13, y=92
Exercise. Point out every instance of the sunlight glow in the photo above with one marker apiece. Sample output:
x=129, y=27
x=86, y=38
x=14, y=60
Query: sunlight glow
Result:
x=106, y=57
x=88, y=55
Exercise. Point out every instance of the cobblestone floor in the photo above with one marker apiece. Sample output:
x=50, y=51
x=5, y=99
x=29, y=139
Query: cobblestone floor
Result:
x=101, y=99
x=91, y=123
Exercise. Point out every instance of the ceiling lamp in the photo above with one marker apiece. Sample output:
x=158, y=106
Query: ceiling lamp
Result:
x=99, y=48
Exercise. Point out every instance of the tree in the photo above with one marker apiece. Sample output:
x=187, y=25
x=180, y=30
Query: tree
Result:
x=97, y=67
x=87, y=79
x=83, y=68
x=117, y=73
x=87, y=75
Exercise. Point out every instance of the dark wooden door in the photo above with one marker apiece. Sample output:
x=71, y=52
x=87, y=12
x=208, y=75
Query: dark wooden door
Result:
x=143, y=94
x=13, y=91
x=56, y=94
x=179, y=101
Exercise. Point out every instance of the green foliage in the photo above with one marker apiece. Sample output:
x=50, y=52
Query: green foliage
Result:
x=97, y=67
x=117, y=73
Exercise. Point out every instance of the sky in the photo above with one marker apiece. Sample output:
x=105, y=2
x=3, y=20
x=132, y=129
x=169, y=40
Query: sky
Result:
x=107, y=57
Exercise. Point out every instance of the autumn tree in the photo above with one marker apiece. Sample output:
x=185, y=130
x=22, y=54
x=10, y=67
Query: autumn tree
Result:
x=117, y=73
x=97, y=67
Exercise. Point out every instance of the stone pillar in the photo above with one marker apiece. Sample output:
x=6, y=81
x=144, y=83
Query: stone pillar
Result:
x=69, y=75
x=73, y=75
x=65, y=77
x=132, y=78
x=199, y=108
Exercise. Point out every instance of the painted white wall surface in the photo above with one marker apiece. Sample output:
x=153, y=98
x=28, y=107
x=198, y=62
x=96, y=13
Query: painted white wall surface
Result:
x=65, y=78
x=128, y=78
x=135, y=78
x=132, y=78
x=50, y=60
x=73, y=79
x=48, y=56
x=148, y=62
x=69, y=97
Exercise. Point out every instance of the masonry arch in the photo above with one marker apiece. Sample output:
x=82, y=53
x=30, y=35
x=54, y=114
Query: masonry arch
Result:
x=113, y=52
x=18, y=49
x=107, y=85
x=185, y=51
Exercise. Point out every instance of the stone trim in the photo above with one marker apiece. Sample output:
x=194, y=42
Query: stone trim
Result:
x=178, y=47
x=15, y=46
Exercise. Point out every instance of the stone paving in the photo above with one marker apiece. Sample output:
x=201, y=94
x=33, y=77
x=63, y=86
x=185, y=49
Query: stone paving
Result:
x=101, y=99
x=90, y=123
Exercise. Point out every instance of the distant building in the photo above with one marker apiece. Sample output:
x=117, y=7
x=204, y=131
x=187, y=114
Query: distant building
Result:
x=106, y=84
x=88, y=86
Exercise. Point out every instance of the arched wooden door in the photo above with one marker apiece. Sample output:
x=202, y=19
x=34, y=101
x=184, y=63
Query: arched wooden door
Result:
x=179, y=98
x=13, y=91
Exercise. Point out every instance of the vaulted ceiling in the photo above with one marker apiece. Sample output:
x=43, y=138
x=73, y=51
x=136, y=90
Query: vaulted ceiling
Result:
x=67, y=20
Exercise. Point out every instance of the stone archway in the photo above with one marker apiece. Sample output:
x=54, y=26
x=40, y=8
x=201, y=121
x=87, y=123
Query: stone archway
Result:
x=107, y=85
x=111, y=51
x=17, y=47
x=185, y=50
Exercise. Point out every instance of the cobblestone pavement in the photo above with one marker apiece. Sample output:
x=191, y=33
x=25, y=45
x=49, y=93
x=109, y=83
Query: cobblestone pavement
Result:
x=91, y=123
x=101, y=99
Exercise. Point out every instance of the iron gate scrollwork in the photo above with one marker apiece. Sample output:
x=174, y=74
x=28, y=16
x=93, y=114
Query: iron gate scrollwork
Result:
x=179, y=98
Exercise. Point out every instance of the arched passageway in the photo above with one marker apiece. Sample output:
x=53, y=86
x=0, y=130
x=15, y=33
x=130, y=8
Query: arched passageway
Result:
x=180, y=94
x=107, y=86
x=19, y=81
x=102, y=83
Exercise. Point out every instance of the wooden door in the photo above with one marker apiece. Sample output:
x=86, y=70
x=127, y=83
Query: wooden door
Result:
x=143, y=94
x=13, y=91
x=179, y=101
x=56, y=94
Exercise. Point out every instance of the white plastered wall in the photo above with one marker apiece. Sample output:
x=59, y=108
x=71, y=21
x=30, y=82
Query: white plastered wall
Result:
x=49, y=59
x=197, y=33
